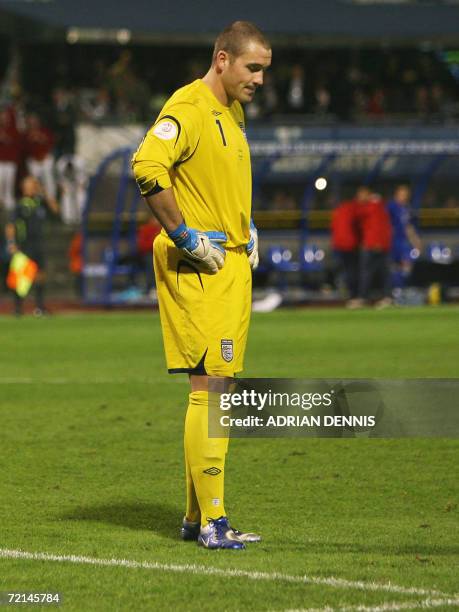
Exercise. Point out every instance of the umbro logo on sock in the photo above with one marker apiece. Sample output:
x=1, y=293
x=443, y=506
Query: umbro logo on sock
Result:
x=213, y=471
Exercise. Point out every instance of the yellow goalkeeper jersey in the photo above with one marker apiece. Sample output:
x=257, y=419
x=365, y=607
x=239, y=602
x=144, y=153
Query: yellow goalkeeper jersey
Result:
x=198, y=147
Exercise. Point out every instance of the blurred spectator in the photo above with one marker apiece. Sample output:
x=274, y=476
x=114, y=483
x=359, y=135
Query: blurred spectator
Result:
x=296, y=94
x=376, y=104
x=266, y=102
x=25, y=232
x=253, y=110
x=342, y=83
x=404, y=235
x=73, y=181
x=142, y=258
x=10, y=152
x=281, y=200
x=130, y=94
x=438, y=98
x=270, y=95
x=38, y=149
x=146, y=235
x=119, y=71
x=322, y=99
x=443, y=106
x=422, y=101
x=346, y=242
x=376, y=236
x=360, y=103
x=96, y=105
x=75, y=254
x=64, y=120
x=99, y=73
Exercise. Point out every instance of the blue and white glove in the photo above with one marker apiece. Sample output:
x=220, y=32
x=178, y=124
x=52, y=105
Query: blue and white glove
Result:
x=252, y=246
x=202, y=247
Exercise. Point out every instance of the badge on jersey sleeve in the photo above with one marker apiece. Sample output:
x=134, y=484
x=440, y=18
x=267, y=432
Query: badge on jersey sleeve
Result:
x=166, y=130
x=227, y=350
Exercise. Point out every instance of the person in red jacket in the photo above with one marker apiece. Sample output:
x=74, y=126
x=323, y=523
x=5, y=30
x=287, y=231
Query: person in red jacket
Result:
x=10, y=151
x=75, y=255
x=38, y=149
x=142, y=258
x=146, y=234
x=376, y=239
x=345, y=243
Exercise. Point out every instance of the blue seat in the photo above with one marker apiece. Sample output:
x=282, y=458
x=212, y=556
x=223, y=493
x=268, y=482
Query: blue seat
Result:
x=438, y=252
x=312, y=258
x=281, y=259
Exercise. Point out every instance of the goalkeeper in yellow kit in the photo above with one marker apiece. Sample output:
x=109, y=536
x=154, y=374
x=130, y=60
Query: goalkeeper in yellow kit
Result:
x=193, y=169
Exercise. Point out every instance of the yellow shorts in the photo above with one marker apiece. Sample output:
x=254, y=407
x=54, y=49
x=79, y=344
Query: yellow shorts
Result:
x=204, y=317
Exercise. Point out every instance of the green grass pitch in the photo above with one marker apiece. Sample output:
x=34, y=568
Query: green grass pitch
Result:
x=91, y=466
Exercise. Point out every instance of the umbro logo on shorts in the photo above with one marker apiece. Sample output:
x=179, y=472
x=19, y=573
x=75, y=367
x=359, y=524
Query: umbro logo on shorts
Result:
x=227, y=350
x=213, y=471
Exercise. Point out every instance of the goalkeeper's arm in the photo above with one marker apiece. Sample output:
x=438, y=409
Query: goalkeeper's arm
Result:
x=164, y=206
x=202, y=247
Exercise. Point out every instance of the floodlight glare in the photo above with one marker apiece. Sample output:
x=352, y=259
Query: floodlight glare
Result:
x=321, y=183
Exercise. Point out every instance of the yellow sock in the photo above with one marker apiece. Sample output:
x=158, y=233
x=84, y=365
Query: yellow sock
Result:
x=206, y=458
x=192, y=513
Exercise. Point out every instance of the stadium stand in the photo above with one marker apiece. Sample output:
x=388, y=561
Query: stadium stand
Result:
x=390, y=117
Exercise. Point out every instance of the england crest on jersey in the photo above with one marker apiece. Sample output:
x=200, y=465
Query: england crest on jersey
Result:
x=227, y=350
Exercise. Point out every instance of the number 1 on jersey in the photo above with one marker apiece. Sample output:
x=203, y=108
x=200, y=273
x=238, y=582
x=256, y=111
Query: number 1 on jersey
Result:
x=217, y=121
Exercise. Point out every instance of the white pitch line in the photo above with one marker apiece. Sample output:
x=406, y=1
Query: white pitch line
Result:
x=228, y=573
x=388, y=607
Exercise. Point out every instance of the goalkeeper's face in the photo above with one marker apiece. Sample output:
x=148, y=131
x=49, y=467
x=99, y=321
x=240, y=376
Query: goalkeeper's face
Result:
x=242, y=75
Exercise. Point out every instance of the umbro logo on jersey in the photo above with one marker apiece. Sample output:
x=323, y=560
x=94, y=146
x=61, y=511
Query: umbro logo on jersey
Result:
x=216, y=113
x=227, y=350
x=212, y=471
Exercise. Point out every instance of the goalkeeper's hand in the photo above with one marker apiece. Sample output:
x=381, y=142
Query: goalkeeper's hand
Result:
x=252, y=246
x=202, y=247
